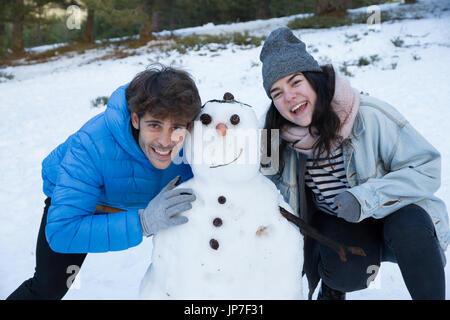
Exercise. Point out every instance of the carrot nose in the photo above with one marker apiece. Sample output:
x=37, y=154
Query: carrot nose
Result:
x=222, y=129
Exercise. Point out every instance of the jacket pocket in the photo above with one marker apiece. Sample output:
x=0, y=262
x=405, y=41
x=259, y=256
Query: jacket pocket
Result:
x=390, y=203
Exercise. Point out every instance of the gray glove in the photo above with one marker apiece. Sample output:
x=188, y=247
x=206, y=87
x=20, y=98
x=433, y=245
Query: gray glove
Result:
x=348, y=207
x=162, y=211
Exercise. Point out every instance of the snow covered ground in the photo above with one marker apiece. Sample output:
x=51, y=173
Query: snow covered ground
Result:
x=45, y=103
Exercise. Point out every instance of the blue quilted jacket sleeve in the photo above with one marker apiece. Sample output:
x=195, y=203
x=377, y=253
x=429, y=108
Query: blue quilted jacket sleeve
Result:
x=72, y=226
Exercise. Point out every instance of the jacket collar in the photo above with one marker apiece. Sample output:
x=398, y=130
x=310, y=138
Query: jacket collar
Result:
x=358, y=125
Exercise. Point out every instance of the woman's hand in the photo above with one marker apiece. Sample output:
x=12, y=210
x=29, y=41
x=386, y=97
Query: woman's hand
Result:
x=348, y=207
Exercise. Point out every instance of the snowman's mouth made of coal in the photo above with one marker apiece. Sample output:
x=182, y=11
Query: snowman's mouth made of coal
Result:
x=225, y=164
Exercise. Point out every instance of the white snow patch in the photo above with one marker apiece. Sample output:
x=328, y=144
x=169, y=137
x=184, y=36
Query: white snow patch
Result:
x=45, y=103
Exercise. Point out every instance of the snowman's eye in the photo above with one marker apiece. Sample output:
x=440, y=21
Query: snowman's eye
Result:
x=234, y=119
x=205, y=119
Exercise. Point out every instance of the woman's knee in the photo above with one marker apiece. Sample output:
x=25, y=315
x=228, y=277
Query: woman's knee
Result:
x=351, y=275
x=408, y=223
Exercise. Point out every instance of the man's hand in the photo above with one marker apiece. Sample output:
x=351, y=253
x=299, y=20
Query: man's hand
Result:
x=162, y=211
x=348, y=207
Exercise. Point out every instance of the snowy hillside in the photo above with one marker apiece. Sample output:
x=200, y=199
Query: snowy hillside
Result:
x=406, y=63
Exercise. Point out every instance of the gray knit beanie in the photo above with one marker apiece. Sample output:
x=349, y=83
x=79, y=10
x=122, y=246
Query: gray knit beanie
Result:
x=284, y=54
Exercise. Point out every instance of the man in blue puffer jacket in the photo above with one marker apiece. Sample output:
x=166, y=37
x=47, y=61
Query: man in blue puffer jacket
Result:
x=112, y=182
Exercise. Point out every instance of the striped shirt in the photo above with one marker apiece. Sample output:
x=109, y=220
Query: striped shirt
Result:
x=326, y=179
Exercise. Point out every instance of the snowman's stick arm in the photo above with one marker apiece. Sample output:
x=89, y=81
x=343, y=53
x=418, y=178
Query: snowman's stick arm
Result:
x=315, y=234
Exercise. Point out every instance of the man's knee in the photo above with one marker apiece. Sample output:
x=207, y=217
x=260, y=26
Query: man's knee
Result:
x=50, y=289
x=33, y=289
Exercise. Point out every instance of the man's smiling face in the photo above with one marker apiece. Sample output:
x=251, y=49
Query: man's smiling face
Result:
x=159, y=139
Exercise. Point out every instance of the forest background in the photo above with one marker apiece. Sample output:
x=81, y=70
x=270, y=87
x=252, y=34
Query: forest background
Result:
x=30, y=23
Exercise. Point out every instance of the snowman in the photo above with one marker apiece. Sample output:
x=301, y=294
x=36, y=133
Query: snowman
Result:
x=236, y=244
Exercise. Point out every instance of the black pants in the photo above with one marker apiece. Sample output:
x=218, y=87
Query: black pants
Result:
x=54, y=272
x=406, y=237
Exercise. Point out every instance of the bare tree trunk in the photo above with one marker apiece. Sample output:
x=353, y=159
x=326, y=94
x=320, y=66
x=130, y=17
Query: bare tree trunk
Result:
x=88, y=35
x=328, y=6
x=157, y=8
x=145, y=30
x=38, y=27
x=2, y=37
x=17, y=29
x=156, y=21
x=39, y=32
x=150, y=17
x=262, y=9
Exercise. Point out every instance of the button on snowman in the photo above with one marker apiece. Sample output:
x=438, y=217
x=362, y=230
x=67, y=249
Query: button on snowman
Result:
x=236, y=244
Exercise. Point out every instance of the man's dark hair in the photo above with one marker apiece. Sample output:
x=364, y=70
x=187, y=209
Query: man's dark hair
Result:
x=165, y=93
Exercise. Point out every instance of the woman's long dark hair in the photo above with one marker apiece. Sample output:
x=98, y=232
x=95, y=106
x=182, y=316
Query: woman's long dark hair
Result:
x=324, y=119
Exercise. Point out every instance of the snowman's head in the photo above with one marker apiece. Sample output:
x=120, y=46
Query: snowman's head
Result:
x=224, y=141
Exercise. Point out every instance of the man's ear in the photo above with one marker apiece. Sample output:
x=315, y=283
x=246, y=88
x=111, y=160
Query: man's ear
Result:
x=189, y=125
x=135, y=120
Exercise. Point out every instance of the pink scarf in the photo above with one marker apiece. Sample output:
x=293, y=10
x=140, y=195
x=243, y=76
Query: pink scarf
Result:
x=345, y=103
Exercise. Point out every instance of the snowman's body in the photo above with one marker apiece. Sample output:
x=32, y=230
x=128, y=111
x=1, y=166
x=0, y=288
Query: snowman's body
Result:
x=236, y=244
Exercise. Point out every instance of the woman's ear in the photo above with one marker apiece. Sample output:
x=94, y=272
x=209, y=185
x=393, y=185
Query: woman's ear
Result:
x=135, y=120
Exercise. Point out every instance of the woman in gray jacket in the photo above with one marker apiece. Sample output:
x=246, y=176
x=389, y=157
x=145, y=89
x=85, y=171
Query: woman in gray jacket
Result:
x=352, y=166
